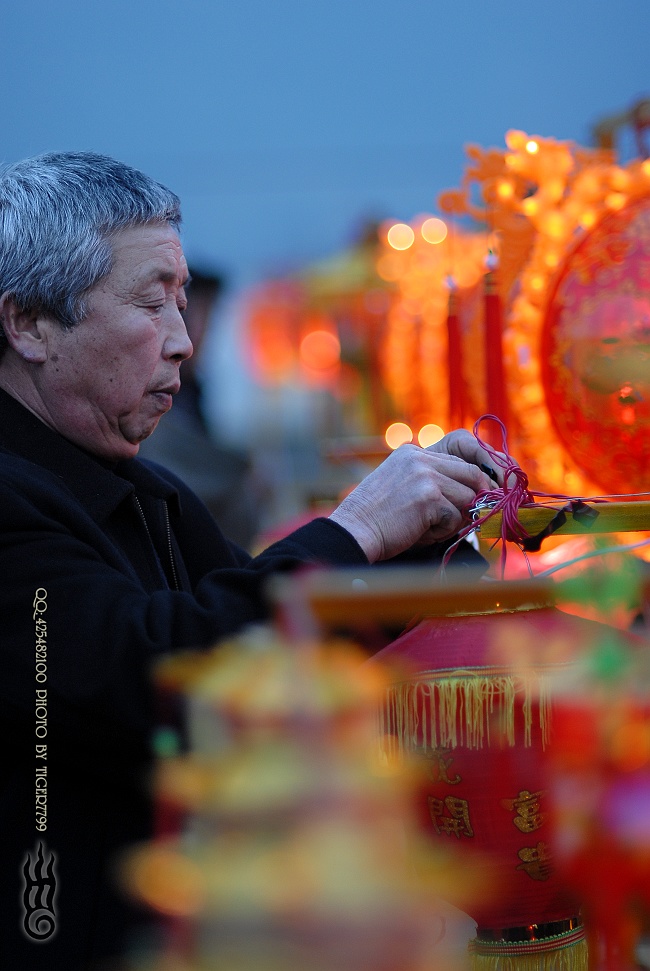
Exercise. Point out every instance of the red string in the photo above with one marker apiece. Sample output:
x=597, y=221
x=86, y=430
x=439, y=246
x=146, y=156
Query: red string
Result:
x=506, y=499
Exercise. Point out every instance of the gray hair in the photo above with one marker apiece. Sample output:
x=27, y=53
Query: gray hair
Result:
x=58, y=214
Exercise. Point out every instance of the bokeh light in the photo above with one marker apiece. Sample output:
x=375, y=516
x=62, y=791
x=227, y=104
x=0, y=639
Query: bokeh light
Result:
x=400, y=236
x=320, y=349
x=505, y=189
x=398, y=434
x=588, y=218
x=429, y=434
x=433, y=230
x=615, y=200
x=530, y=207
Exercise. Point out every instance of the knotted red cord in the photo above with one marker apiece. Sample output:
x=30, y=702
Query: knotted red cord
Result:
x=506, y=499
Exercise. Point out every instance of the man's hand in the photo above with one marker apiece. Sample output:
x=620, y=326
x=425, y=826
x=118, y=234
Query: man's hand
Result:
x=416, y=496
x=466, y=447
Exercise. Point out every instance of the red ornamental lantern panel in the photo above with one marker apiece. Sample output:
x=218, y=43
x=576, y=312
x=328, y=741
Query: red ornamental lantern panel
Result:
x=481, y=725
x=595, y=352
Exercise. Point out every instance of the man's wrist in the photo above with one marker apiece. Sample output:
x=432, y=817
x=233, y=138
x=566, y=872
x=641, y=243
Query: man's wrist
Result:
x=363, y=534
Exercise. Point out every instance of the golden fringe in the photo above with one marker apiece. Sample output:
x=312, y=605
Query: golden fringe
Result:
x=463, y=709
x=575, y=957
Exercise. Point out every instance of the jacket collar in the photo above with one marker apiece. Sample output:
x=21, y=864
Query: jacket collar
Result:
x=97, y=485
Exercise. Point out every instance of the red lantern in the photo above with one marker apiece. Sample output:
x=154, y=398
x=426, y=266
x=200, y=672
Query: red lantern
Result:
x=595, y=352
x=480, y=722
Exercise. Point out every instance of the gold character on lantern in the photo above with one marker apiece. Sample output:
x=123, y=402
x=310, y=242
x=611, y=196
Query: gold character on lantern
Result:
x=439, y=767
x=527, y=806
x=457, y=823
x=536, y=861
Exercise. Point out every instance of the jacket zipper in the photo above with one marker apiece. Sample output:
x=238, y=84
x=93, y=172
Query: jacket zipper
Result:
x=170, y=548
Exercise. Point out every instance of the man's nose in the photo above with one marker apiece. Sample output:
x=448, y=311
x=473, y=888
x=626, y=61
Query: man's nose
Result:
x=178, y=345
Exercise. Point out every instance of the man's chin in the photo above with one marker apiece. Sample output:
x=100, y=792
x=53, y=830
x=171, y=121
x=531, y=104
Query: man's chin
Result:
x=131, y=442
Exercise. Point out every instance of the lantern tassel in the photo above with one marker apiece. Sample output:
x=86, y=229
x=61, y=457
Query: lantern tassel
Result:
x=559, y=952
x=452, y=709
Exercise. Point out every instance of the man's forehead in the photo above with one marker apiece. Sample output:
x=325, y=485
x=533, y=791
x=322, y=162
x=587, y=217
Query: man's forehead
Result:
x=159, y=272
x=152, y=254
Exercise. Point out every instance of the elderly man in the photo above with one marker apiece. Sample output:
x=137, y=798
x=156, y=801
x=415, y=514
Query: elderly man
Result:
x=107, y=561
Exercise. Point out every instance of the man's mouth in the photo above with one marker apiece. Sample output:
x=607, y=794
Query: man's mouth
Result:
x=168, y=389
x=165, y=395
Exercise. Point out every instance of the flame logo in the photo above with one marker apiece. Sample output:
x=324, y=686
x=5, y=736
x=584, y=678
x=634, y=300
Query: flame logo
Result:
x=39, y=920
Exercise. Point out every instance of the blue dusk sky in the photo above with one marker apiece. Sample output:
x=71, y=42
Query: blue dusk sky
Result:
x=285, y=125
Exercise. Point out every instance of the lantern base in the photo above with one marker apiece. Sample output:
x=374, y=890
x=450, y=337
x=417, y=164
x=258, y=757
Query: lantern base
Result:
x=557, y=946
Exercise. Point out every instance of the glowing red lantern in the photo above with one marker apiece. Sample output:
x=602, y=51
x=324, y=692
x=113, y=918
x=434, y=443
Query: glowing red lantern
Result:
x=595, y=352
x=481, y=723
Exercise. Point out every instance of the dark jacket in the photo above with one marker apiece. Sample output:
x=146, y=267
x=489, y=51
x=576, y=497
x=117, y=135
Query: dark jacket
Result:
x=103, y=569
x=128, y=565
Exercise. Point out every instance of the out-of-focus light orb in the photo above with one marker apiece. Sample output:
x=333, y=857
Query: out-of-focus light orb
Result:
x=530, y=207
x=552, y=259
x=554, y=224
x=320, y=349
x=433, y=230
x=588, y=218
x=615, y=200
x=516, y=139
x=398, y=434
x=505, y=189
x=400, y=236
x=532, y=147
x=429, y=434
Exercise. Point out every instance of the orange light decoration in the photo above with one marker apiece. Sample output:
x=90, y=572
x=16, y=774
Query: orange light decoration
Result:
x=534, y=201
x=414, y=356
x=538, y=199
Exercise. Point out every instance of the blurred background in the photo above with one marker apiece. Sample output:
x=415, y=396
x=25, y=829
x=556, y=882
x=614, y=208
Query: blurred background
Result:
x=291, y=132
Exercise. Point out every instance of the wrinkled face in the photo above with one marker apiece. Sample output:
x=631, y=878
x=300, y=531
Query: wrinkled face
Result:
x=108, y=380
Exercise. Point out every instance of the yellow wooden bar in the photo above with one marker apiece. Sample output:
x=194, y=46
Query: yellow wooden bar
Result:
x=398, y=594
x=613, y=517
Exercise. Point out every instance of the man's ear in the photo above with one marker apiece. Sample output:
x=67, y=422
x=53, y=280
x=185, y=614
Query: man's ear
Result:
x=24, y=330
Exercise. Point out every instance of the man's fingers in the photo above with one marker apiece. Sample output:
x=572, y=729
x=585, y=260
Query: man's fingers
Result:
x=463, y=445
x=461, y=471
